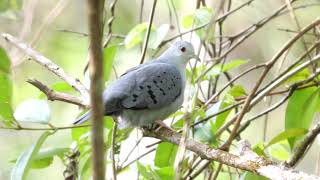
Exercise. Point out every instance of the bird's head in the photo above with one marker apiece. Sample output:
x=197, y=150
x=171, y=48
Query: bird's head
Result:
x=181, y=51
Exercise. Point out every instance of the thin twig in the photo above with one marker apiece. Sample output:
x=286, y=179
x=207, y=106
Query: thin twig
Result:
x=243, y=35
x=131, y=151
x=109, y=23
x=251, y=99
x=146, y=40
x=275, y=106
x=113, y=144
x=57, y=96
x=136, y=159
x=232, y=81
x=268, y=89
x=216, y=173
x=182, y=145
x=44, y=129
x=177, y=18
x=203, y=167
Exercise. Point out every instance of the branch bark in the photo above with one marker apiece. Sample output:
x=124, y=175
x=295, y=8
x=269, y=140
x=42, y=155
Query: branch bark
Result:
x=57, y=96
x=47, y=63
x=303, y=145
x=245, y=160
x=95, y=16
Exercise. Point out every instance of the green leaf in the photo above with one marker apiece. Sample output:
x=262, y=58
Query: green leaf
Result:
x=109, y=54
x=76, y=133
x=157, y=36
x=6, y=112
x=85, y=167
x=165, y=172
x=136, y=35
x=220, y=68
x=228, y=100
x=5, y=62
x=33, y=110
x=251, y=176
x=10, y=5
x=45, y=157
x=288, y=133
x=237, y=91
x=300, y=110
x=203, y=134
x=280, y=151
x=199, y=18
x=23, y=164
x=146, y=172
x=221, y=118
x=259, y=149
x=301, y=75
x=165, y=154
x=187, y=21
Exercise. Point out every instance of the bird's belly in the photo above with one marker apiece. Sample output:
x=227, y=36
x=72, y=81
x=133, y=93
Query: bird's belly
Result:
x=138, y=118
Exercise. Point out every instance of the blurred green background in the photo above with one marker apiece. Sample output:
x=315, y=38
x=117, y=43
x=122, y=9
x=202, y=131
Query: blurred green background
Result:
x=40, y=23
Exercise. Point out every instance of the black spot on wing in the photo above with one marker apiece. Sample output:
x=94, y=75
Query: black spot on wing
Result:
x=163, y=93
x=152, y=96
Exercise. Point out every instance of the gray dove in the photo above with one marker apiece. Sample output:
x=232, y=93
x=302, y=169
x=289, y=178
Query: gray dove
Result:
x=149, y=92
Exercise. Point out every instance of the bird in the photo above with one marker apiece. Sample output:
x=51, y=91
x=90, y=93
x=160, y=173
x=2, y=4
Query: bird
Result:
x=150, y=92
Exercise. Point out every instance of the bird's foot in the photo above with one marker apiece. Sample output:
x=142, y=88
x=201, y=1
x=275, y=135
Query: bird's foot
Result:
x=156, y=126
x=161, y=124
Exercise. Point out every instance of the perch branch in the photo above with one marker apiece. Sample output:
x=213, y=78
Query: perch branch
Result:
x=246, y=160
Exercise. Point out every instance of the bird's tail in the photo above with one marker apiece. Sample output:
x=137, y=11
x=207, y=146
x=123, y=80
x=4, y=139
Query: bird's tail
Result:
x=83, y=118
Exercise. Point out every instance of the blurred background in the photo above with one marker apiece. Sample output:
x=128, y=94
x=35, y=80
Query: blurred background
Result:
x=45, y=25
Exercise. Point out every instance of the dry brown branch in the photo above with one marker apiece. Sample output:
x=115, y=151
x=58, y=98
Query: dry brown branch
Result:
x=57, y=96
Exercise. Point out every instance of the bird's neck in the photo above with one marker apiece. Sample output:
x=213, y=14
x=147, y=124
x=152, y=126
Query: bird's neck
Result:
x=176, y=61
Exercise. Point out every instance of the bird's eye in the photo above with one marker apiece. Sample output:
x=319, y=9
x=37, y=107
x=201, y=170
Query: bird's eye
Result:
x=183, y=49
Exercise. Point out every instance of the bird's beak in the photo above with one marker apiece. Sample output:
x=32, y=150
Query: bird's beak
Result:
x=197, y=58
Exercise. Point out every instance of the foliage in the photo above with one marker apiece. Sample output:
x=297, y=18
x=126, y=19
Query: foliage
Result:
x=223, y=57
x=6, y=112
x=24, y=162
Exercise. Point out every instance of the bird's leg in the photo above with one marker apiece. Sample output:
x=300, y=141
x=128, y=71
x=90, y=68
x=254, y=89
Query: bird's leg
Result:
x=161, y=124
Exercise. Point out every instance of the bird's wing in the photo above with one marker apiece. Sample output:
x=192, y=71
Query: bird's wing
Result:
x=156, y=85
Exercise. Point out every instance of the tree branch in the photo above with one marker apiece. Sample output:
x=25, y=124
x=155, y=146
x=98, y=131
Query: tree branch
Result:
x=57, y=96
x=47, y=63
x=246, y=160
x=302, y=146
x=95, y=16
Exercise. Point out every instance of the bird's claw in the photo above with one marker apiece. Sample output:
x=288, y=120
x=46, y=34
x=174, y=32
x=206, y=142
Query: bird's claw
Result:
x=161, y=124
